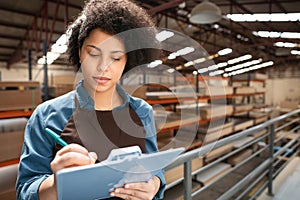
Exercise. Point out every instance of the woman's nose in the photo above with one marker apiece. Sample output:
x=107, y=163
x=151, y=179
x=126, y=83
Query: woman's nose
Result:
x=103, y=65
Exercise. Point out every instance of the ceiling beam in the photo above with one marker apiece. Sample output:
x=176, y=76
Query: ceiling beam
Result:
x=164, y=6
x=61, y=2
x=15, y=11
x=7, y=46
x=10, y=37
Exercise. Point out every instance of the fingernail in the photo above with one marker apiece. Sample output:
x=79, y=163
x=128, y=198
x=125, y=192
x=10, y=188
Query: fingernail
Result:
x=112, y=194
x=127, y=186
x=93, y=155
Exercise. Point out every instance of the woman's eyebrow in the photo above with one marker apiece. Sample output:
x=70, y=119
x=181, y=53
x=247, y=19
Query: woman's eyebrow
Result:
x=118, y=51
x=99, y=49
x=93, y=46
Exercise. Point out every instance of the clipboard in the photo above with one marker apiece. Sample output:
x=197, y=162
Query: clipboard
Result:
x=124, y=165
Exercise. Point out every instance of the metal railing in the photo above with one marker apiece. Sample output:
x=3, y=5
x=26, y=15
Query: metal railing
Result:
x=266, y=168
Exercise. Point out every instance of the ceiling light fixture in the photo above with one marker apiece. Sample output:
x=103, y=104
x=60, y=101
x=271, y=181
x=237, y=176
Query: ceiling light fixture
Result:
x=242, y=65
x=255, y=67
x=286, y=44
x=164, y=35
x=239, y=59
x=295, y=52
x=264, y=17
x=224, y=51
x=273, y=34
x=205, y=13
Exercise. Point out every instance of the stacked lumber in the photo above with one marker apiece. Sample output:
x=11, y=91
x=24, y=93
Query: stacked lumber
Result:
x=177, y=172
x=244, y=90
x=250, y=76
x=242, y=107
x=239, y=157
x=168, y=95
x=216, y=153
x=242, y=141
x=212, y=131
x=258, y=86
x=167, y=119
x=241, y=124
x=259, y=133
x=214, y=110
x=207, y=176
x=20, y=95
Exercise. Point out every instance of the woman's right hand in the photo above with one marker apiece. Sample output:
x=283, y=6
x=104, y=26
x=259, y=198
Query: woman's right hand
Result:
x=72, y=155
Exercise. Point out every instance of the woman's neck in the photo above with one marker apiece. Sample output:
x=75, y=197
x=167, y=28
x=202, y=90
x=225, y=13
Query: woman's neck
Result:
x=107, y=100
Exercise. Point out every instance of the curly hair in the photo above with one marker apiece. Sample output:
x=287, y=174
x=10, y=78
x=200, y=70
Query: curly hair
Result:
x=115, y=17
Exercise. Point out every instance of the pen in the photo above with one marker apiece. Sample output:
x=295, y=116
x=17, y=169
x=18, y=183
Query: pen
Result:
x=56, y=137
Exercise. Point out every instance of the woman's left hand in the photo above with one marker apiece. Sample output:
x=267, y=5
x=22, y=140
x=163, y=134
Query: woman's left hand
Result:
x=138, y=191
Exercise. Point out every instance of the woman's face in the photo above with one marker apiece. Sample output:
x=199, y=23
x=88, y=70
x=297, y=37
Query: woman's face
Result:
x=103, y=59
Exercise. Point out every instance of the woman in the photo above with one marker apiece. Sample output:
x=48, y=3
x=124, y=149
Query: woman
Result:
x=98, y=115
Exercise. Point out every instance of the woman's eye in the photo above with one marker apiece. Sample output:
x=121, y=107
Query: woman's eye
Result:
x=93, y=54
x=116, y=59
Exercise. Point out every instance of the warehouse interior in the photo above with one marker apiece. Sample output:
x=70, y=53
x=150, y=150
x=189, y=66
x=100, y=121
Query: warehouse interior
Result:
x=226, y=89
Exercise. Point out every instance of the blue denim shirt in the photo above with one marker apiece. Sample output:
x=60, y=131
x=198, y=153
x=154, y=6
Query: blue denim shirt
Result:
x=38, y=147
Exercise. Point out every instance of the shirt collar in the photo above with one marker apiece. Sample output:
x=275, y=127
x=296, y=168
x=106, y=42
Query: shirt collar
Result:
x=85, y=100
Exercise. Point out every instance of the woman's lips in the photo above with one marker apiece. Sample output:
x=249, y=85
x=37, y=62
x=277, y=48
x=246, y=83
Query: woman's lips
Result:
x=101, y=80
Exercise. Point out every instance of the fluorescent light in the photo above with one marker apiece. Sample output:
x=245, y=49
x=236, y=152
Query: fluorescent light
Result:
x=224, y=51
x=203, y=70
x=163, y=35
x=217, y=66
x=242, y=65
x=295, y=52
x=57, y=48
x=50, y=58
x=185, y=51
x=255, y=67
x=272, y=34
x=62, y=40
x=239, y=59
x=190, y=63
x=170, y=70
x=264, y=17
x=285, y=44
x=223, y=64
x=215, y=73
x=212, y=67
x=200, y=60
x=155, y=63
x=194, y=73
x=179, y=67
x=172, y=56
x=290, y=35
x=181, y=52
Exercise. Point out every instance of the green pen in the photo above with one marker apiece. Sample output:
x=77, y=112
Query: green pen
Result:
x=56, y=137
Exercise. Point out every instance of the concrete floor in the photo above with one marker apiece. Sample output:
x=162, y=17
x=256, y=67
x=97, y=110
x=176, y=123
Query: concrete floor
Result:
x=287, y=184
